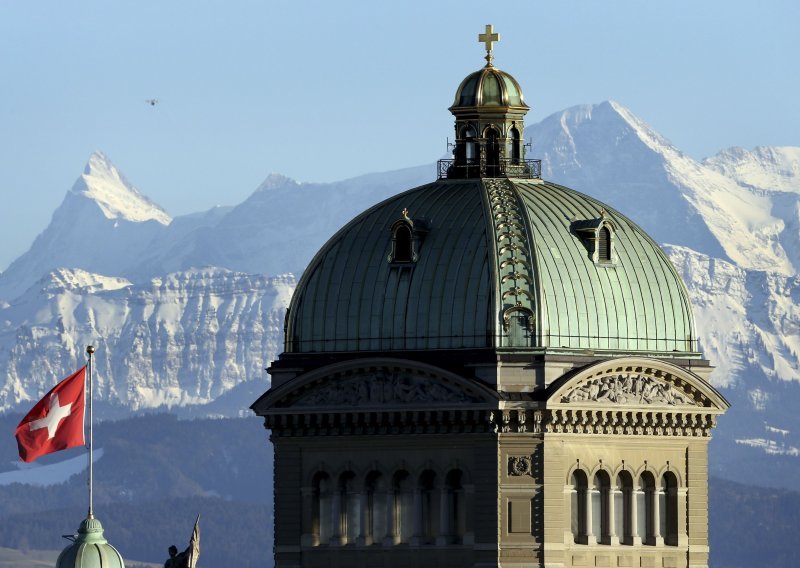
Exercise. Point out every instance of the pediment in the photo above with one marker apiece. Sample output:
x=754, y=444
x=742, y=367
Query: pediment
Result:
x=636, y=382
x=376, y=384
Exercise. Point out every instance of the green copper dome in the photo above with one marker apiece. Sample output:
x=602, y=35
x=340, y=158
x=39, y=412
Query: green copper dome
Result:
x=489, y=87
x=90, y=549
x=514, y=264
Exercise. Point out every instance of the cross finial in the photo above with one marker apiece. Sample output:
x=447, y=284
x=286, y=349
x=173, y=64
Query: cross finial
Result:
x=488, y=39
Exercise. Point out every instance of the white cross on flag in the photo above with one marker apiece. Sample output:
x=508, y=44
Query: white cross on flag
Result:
x=56, y=422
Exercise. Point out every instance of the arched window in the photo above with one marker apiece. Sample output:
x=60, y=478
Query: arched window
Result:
x=601, y=493
x=646, y=508
x=321, y=508
x=669, y=508
x=470, y=147
x=578, y=502
x=427, y=509
x=604, y=245
x=403, y=244
x=345, y=510
x=623, y=507
x=400, y=509
x=492, y=153
x=515, y=153
x=374, y=521
x=454, y=518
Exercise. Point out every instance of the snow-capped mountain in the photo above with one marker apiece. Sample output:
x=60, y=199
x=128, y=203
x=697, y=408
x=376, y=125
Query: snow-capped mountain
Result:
x=100, y=226
x=172, y=332
x=768, y=168
x=606, y=151
x=184, y=338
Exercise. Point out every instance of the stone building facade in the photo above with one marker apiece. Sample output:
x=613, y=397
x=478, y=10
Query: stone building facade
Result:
x=490, y=370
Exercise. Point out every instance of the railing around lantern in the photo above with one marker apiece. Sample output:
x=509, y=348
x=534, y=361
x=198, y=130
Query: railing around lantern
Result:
x=526, y=169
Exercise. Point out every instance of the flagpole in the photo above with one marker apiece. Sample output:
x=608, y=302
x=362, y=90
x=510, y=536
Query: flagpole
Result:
x=90, y=352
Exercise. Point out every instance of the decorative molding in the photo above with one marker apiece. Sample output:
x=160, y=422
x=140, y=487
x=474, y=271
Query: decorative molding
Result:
x=520, y=465
x=629, y=389
x=630, y=423
x=383, y=387
x=513, y=249
x=517, y=421
x=378, y=423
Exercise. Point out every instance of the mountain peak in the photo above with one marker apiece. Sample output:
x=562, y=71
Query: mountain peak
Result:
x=769, y=168
x=276, y=180
x=117, y=198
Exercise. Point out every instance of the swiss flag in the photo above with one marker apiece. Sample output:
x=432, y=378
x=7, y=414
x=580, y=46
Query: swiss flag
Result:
x=56, y=422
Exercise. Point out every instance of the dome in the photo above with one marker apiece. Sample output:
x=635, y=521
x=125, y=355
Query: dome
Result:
x=90, y=549
x=489, y=87
x=571, y=272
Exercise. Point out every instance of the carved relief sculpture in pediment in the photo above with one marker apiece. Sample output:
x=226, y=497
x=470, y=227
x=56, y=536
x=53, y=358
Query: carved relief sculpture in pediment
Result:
x=384, y=387
x=629, y=389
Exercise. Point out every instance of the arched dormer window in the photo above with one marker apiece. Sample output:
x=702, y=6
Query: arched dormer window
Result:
x=403, y=245
x=406, y=237
x=604, y=244
x=598, y=237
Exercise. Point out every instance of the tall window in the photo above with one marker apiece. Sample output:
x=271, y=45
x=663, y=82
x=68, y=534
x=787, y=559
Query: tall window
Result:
x=455, y=516
x=403, y=245
x=604, y=245
x=623, y=507
x=669, y=508
x=578, y=497
x=515, y=146
x=400, y=517
x=428, y=508
x=374, y=528
x=321, y=508
x=470, y=148
x=348, y=504
x=492, y=153
x=645, y=508
x=601, y=493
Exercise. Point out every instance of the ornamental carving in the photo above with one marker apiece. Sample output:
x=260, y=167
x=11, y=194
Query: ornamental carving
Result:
x=628, y=389
x=520, y=465
x=383, y=388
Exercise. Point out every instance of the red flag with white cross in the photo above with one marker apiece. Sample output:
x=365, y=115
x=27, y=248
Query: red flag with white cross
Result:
x=56, y=422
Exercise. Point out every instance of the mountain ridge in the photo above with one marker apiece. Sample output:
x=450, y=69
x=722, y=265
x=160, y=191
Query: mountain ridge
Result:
x=186, y=316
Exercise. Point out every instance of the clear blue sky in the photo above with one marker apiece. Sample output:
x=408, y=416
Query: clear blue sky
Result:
x=322, y=90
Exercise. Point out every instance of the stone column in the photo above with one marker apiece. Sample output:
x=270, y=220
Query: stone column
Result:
x=444, y=537
x=683, y=538
x=417, y=539
x=637, y=539
x=612, y=516
x=392, y=536
x=657, y=537
x=590, y=538
x=365, y=529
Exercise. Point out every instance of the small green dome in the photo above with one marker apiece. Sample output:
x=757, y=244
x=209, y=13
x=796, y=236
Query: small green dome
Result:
x=489, y=87
x=90, y=549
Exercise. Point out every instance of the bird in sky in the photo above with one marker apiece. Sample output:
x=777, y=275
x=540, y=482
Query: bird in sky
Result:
x=151, y=102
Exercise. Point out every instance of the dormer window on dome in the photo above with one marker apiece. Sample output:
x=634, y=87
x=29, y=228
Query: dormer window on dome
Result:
x=598, y=237
x=407, y=236
x=489, y=108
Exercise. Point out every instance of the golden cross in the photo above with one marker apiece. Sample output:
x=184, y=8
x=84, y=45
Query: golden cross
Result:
x=488, y=39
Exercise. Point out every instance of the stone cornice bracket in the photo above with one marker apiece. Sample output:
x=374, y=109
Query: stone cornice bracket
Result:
x=370, y=423
x=629, y=422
